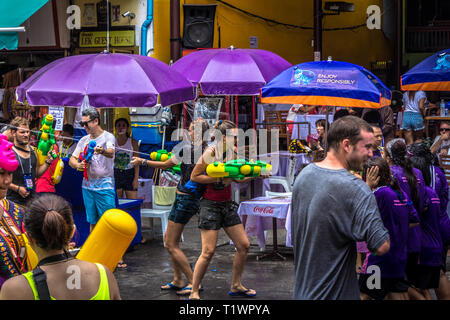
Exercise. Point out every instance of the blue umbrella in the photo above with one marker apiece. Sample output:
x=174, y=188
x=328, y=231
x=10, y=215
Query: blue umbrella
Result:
x=431, y=74
x=327, y=83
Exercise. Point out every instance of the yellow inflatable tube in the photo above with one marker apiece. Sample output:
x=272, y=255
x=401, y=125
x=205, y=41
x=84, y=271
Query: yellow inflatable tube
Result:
x=110, y=239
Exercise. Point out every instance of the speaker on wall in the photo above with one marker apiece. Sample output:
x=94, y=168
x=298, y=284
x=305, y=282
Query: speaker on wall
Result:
x=198, y=27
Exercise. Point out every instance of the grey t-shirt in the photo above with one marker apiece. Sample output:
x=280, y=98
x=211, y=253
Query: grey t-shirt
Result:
x=331, y=210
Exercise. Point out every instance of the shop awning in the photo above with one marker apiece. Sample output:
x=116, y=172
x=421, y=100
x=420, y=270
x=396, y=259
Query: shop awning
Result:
x=13, y=14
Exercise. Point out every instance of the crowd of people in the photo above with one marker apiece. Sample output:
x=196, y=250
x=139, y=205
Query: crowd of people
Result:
x=383, y=205
x=373, y=225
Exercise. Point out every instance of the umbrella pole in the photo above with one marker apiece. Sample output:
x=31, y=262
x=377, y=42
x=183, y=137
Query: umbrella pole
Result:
x=184, y=115
x=326, y=131
x=236, y=110
x=254, y=112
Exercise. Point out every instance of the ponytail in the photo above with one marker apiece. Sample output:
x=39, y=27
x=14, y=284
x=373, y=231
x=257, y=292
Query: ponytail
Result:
x=48, y=220
x=398, y=153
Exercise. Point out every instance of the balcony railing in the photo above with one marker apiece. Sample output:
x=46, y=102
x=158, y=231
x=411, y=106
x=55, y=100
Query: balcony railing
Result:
x=427, y=39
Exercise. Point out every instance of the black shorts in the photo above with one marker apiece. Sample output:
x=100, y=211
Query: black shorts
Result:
x=387, y=285
x=444, y=259
x=218, y=214
x=124, y=179
x=426, y=277
x=411, y=265
x=184, y=207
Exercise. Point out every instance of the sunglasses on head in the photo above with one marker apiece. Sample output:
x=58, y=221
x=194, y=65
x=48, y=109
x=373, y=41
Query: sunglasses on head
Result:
x=85, y=123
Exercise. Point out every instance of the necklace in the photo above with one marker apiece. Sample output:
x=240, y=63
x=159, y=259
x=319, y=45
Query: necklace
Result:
x=55, y=259
x=21, y=149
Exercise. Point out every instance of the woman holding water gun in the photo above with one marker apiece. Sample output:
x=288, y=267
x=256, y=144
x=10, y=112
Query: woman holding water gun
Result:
x=187, y=200
x=218, y=211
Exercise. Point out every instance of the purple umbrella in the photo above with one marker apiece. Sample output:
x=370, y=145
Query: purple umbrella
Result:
x=231, y=71
x=108, y=80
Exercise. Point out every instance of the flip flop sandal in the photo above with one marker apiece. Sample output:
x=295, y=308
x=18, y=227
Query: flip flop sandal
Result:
x=187, y=290
x=242, y=293
x=171, y=286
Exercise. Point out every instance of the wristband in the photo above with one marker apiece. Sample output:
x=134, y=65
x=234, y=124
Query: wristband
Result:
x=144, y=162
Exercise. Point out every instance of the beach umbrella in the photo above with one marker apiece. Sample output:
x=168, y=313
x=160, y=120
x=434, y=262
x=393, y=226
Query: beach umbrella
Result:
x=231, y=71
x=431, y=74
x=106, y=80
x=327, y=83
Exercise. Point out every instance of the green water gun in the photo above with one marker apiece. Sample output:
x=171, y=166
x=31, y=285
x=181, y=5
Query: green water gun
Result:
x=46, y=139
x=238, y=169
x=163, y=155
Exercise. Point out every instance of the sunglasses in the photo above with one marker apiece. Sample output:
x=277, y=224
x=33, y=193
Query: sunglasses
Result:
x=85, y=123
x=444, y=129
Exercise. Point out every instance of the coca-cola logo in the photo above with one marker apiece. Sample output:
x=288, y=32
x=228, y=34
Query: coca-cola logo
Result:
x=263, y=210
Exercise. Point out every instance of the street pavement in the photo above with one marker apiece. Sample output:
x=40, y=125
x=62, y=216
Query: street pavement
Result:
x=149, y=267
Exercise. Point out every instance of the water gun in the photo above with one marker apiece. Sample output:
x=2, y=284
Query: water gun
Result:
x=87, y=154
x=238, y=169
x=46, y=139
x=163, y=155
x=57, y=174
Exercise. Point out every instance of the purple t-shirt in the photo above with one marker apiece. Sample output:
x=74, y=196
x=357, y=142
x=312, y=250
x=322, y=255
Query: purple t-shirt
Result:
x=439, y=184
x=413, y=233
x=397, y=213
x=431, y=242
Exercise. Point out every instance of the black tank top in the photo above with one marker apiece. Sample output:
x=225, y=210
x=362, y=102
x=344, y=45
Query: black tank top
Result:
x=17, y=179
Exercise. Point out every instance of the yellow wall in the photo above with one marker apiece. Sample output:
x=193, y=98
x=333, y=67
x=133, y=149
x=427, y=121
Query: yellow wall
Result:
x=360, y=46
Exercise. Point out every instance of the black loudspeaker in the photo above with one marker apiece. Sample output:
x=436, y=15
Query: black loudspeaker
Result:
x=198, y=29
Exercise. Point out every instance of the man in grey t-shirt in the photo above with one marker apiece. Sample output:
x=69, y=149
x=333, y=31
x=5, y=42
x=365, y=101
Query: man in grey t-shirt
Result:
x=331, y=210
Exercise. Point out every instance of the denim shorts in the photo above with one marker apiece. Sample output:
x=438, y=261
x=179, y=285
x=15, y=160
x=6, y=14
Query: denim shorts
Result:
x=183, y=208
x=412, y=121
x=218, y=214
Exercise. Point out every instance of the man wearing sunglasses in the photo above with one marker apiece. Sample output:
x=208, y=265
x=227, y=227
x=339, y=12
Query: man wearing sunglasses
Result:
x=98, y=190
x=442, y=142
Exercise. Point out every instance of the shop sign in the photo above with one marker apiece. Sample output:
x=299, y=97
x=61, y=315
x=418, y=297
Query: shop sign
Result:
x=117, y=38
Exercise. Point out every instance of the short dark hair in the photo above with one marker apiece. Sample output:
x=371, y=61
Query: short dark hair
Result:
x=68, y=128
x=92, y=113
x=322, y=123
x=340, y=113
x=348, y=127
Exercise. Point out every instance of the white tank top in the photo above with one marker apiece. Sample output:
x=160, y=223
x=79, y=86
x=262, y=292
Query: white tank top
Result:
x=123, y=155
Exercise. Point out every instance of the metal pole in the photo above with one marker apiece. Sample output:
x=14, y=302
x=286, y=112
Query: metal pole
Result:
x=398, y=48
x=317, y=30
x=175, y=47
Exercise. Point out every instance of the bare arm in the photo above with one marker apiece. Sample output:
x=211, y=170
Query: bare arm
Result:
x=384, y=248
x=169, y=163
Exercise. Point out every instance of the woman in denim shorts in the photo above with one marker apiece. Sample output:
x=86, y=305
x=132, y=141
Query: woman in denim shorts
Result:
x=218, y=211
x=187, y=203
x=413, y=124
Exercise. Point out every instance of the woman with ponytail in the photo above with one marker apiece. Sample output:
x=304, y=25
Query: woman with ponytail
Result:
x=411, y=182
x=49, y=226
x=398, y=214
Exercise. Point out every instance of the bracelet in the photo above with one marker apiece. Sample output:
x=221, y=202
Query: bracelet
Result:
x=18, y=189
x=144, y=162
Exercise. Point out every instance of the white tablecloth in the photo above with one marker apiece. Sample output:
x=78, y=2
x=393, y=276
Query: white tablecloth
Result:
x=311, y=118
x=259, y=213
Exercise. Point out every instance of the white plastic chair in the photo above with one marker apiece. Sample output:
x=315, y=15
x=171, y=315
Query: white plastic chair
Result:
x=160, y=212
x=281, y=180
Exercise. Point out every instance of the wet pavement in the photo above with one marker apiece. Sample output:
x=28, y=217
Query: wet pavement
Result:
x=149, y=267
